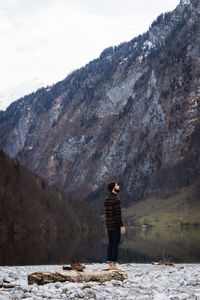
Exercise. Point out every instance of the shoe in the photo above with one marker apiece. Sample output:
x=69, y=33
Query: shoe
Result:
x=66, y=267
x=112, y=266
x=76, y=265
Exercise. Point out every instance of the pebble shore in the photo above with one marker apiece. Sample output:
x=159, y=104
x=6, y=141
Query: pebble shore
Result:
x=145, y=282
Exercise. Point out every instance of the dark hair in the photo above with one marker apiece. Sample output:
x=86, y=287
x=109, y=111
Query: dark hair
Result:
x=111, y=185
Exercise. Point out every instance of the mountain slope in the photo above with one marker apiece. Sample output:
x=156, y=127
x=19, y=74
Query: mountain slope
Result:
x=180, y=209
x=28, y=204
x=132, y=115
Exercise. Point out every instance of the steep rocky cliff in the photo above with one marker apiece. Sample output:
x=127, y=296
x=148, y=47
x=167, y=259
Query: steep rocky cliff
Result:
x=132, y=115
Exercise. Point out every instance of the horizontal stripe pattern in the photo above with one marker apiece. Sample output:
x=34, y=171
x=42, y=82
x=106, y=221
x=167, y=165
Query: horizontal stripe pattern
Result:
x=112, y=210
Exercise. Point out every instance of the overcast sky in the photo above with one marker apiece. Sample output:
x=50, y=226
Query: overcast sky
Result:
x=50, y=38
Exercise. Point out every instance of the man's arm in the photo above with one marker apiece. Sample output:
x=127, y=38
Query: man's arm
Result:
x=117, y=212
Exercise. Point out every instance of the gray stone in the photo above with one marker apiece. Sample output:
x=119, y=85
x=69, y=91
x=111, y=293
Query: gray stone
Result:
x=67, y=287
x=34, y=289
x=108, y=284
x=4, y=297
x=7, y=279
x=160, y=297
x=116, y=282
x=181, y=282
x=27, y=295
x=18, y=294
x=90, y=292
x=13, y=275
x=47, y=294
x=192, y=282
x=100, y=297
x=27, y=288
x=123, y=293
x=183, y=296
x=127, y=285
x=65, y=290
x=131, y=281
x=125, y=280
x=57, y=285
x=21, y=282
x=192, y=297
x=80, y=294
x=143, y=297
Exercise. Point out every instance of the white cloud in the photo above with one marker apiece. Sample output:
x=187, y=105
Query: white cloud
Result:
x=50, y=38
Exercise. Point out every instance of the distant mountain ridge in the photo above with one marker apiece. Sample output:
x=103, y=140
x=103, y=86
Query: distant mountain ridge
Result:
x=131, y=115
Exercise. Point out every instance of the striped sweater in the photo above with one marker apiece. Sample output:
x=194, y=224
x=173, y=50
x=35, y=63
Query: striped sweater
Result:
x=112, y=210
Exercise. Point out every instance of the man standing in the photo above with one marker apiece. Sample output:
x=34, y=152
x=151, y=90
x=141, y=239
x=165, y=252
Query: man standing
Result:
x=114, y=224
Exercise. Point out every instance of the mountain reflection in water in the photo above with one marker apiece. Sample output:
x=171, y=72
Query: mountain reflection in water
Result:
x=142, y=245
x=45, y=248
x=155, y=243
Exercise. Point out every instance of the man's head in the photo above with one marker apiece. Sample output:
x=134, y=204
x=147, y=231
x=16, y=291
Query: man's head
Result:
x=113, y=187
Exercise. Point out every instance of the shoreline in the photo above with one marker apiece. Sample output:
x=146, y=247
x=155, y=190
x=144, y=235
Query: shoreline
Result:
x=145, y=281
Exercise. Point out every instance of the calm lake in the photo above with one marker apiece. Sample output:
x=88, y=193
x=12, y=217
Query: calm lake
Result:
x=137, y=245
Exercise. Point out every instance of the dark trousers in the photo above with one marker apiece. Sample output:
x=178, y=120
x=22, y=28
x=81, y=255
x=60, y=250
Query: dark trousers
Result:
x=114, y=237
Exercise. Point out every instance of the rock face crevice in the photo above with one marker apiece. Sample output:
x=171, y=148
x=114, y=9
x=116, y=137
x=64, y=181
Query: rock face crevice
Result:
x=131, y=115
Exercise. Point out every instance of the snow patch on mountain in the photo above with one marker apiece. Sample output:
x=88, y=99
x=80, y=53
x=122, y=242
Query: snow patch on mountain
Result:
x=185, y=2
x=9, y=95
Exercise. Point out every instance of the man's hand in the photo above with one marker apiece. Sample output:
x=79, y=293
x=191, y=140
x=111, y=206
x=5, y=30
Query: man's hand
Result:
x=123, y=230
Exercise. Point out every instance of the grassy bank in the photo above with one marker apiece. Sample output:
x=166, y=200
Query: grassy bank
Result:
x=181, y=209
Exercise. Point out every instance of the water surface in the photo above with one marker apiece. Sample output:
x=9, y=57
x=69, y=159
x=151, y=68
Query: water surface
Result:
x=178, y=245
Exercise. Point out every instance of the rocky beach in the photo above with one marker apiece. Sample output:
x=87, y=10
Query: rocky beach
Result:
x=145, y=281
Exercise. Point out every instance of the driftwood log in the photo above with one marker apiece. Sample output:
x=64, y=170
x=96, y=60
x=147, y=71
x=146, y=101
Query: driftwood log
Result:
x=76, y=276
